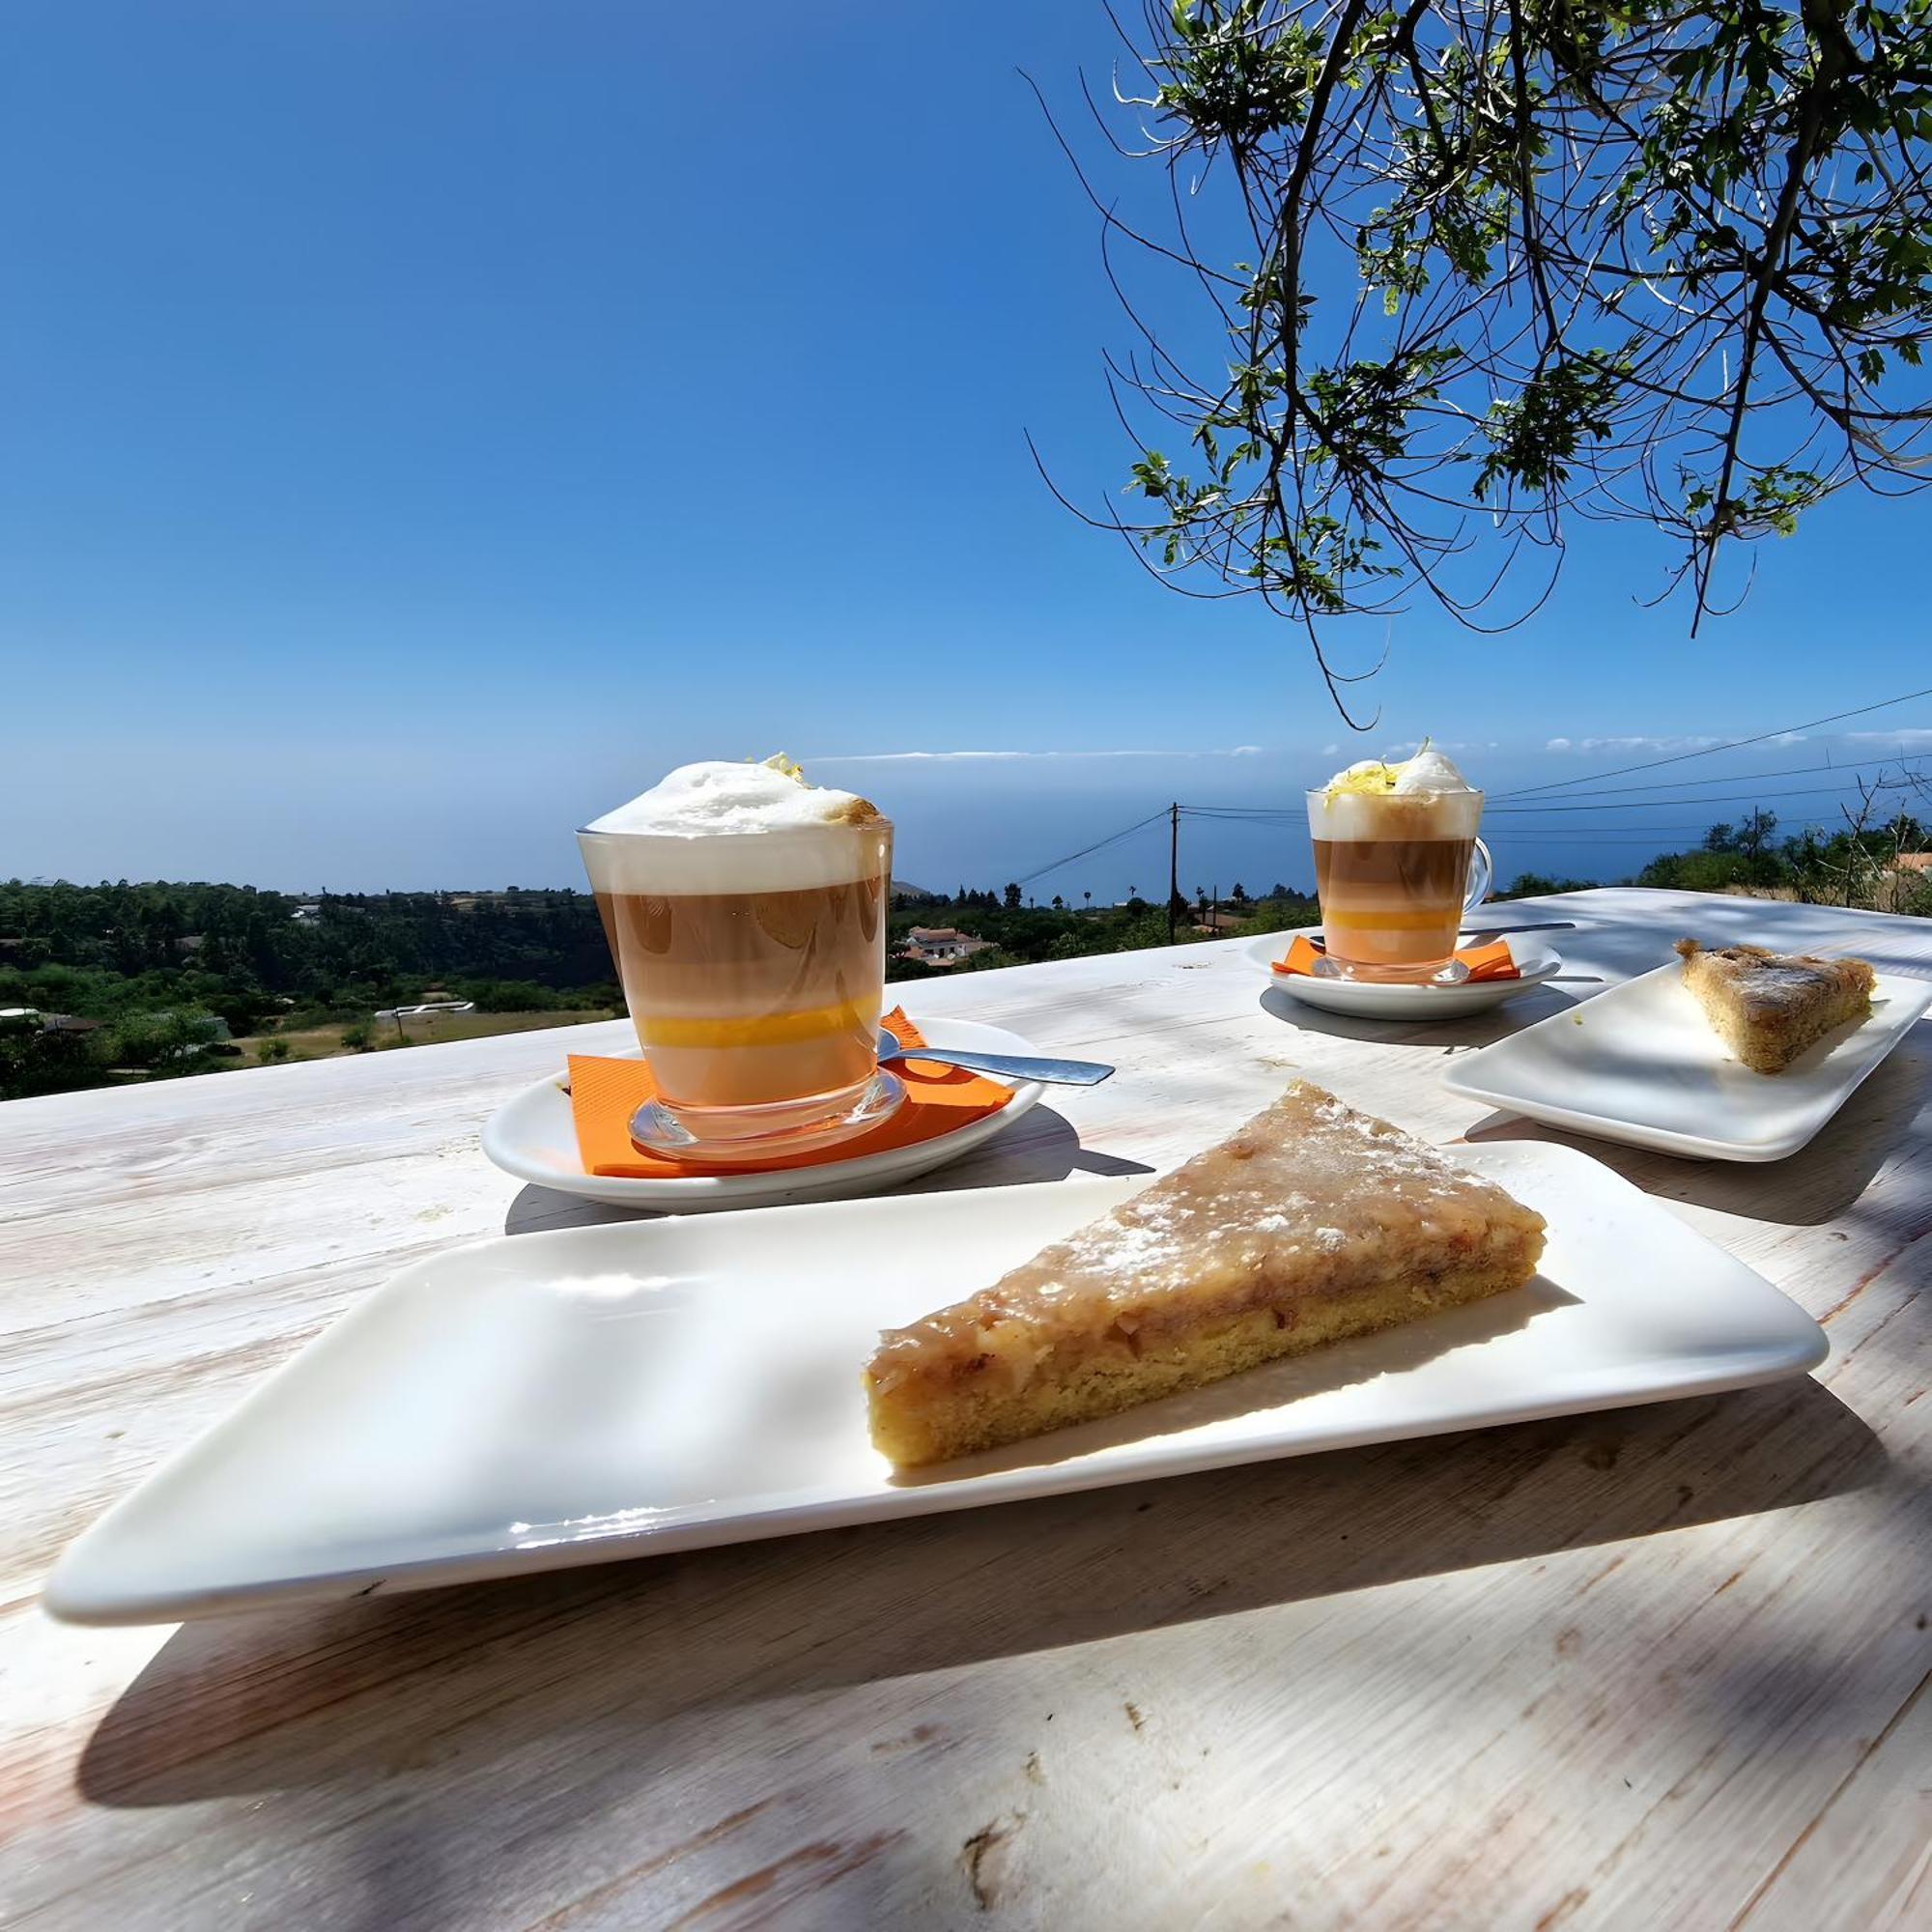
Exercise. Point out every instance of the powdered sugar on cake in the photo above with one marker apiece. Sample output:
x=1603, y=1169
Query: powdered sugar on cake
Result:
x=1303, y=1200
x=1779, y=982
x=1141, y=1242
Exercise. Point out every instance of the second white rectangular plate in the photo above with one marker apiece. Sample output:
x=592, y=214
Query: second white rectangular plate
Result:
x=613, y=1391
x=1641, y=1063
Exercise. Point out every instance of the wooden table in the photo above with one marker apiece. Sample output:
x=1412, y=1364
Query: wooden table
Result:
x=1664, y=1666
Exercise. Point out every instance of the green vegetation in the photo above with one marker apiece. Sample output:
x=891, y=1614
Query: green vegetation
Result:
x=1538, y=885
x=1494, y=267
x=187, y=977
x=154, y=982
x=1021, y=935
x=1859, y=866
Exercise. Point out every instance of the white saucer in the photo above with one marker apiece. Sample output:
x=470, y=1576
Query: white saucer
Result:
x=1376, y=1000
x=534, y=1138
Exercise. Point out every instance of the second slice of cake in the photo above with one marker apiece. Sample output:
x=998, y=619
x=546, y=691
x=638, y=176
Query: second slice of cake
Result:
x=1311, y=1223
x=1769, y=1006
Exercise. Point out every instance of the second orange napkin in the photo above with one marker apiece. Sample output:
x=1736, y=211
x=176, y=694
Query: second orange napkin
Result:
x=604, y=1094
x=1485, y=962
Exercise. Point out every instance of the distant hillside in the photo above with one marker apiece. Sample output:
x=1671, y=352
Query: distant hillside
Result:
x=249, y=958
x=110, y=982
x=106, y=984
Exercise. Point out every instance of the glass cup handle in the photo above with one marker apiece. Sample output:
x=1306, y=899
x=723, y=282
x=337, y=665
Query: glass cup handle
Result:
x=1482, y=876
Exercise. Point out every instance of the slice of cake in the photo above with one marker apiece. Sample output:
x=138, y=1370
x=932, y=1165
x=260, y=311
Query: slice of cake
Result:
x=1311, y=1223
x=1769, y=1006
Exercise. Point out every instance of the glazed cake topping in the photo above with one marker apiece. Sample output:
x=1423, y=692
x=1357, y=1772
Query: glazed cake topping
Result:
x=1221, y=1230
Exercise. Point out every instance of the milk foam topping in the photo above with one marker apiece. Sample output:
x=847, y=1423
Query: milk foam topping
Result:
x=719, y=827
x=1421, y=797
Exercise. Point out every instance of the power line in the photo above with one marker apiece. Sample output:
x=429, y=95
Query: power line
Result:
x=1617, y=836
x=1588, y=835
x=1910, y=784
x=1572, y=836
x=1099, y=846
x=1689, y=784
x=1711, y=750
x=1277, y=814
x=1260, y=814
x=1632, y=835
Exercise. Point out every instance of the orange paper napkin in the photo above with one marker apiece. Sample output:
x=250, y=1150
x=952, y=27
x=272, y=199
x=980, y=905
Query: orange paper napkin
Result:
x=1485, y=962
x=604, y=1094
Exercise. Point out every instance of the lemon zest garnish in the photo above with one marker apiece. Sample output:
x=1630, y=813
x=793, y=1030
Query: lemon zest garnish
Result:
x=1377, y=781
x=778, y=762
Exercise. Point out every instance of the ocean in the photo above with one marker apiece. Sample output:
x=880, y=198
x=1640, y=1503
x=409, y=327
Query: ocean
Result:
x=1599, y=811
x=1034, y=841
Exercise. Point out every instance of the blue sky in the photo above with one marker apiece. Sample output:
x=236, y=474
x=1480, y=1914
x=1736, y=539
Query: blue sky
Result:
x=427, y=422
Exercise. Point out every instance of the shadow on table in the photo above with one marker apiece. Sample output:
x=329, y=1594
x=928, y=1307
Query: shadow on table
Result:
x=1042, y=1144
x=638, y=1656
x=1819, y=1184
x=1452, y=1036
x=1633, y=946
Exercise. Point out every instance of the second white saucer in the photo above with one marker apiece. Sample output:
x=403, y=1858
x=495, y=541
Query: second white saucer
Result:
x=1369, y=999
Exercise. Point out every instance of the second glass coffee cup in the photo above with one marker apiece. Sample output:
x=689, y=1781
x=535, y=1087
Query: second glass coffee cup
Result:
x=1395, y=874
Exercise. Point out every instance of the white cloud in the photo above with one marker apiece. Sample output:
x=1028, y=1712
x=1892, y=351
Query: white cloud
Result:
x=1632, y=743
x=901, y=757
x=1642, y=741
x=1331, y=751
x=1448, y=746
x=1913, y=738
x=936, y=757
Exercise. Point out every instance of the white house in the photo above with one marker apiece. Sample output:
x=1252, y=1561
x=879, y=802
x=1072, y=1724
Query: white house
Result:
x=941, y=945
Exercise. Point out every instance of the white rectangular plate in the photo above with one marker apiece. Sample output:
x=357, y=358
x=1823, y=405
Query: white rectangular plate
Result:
x=613, y=1391
x=1641, y=1063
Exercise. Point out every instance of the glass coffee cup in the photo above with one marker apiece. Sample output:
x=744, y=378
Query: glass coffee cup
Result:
x=1395, y=874
x=750, y=936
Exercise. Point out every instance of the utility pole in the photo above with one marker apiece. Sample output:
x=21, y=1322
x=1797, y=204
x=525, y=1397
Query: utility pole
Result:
x=1173, y=865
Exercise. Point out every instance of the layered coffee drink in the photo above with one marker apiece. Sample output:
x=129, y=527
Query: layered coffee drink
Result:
x=1397, y=863
x=747, y=912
